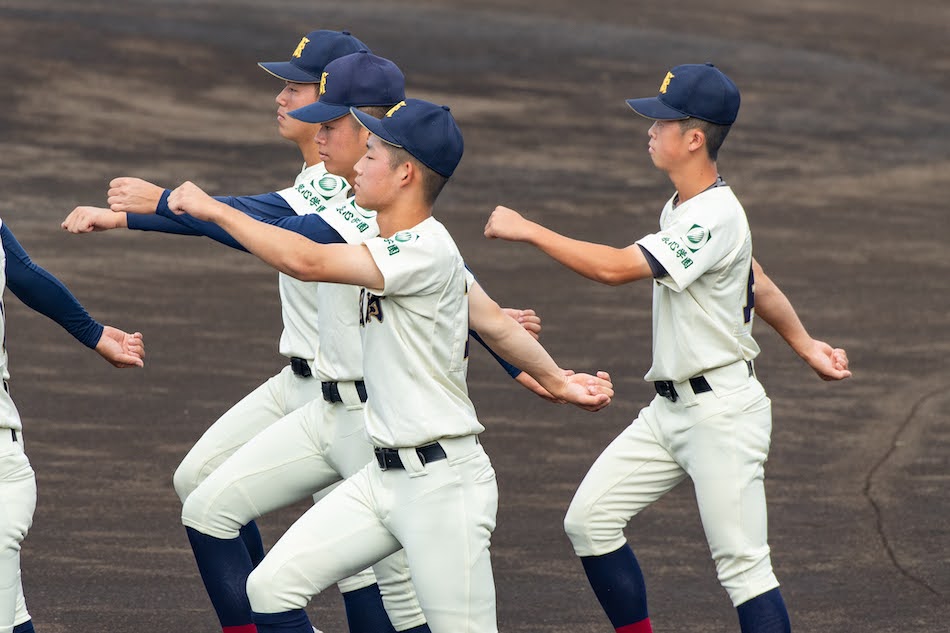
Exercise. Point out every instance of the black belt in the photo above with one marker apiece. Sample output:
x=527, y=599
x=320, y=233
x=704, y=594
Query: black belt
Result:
x=389, y=457
x=331, y=391
x=698, y=384
x=13, y=432
x=301, y=367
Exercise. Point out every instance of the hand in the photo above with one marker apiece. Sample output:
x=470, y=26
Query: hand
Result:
x=189, y=198
x=532, y=385
x=507, y=224
x=528, y=319
x=121, y=348
x=828, y=362
x=89, y=219
x=134, y=195
x=592, y=393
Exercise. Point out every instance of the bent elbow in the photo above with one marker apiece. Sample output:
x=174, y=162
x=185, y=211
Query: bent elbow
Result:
x=613, y=277
x=302, y=270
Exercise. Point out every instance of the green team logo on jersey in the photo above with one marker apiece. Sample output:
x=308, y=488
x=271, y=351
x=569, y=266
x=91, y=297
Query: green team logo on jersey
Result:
x=329, y=184
x=403, y=236
x=697, y=237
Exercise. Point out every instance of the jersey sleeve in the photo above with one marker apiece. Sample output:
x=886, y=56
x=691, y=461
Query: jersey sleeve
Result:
x=693, y=244
x=411, y=263
x=45, y=294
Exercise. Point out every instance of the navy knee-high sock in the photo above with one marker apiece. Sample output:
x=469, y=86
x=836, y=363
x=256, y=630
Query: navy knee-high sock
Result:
x=365, y=613
x=766, y=613
x=26, y=627
x=295, y=621
x=618, y=584
x=224, y=565
x=252, y=540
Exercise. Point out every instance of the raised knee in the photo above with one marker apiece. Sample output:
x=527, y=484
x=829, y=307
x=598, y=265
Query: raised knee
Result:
x=264, y=595
x=577, y=523
x=185, y=480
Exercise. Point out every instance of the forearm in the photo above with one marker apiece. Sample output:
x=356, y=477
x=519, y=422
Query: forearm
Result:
x=44, y=293
x=605, y=264
x=288, y=252
x=511, y=341
x=524, y=352
x=773, y=307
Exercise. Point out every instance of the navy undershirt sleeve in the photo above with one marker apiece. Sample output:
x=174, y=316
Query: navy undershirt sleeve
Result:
x=45, y=294
x=310, y=225
x=267, y=205
x=655, y=265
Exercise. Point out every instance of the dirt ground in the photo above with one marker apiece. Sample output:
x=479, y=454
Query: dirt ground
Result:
x=840, y=156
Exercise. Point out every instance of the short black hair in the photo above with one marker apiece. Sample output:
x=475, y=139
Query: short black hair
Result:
x=715, y=134
x=432, y=182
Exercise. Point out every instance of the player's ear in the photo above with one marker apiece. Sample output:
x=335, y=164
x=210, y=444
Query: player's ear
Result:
x=695, y=138
x=408, y=172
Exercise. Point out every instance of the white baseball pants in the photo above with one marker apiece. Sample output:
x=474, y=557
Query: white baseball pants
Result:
x=442, y=514
x=17, y=503
x=719, y=439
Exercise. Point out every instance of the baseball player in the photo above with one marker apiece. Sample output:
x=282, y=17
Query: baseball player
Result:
x=296, y=384
x=711, y=419
x=327, y=433
x=45, y=294
x=431, y=489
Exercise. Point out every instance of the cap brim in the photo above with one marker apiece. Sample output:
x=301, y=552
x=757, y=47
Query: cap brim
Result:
x=653, y=108
x=288, y=72
x=318, y=112
x=375, y=126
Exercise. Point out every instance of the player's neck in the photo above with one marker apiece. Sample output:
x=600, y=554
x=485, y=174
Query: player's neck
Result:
x=402, y=215
x=692, y=178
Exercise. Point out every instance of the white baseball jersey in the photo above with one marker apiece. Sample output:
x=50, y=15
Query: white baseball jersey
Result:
x=415, y=331
x=9, y=416
x=702, y=310
x=315, y=327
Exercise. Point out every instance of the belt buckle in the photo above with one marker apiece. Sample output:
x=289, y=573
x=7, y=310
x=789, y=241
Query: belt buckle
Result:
x=381, y=459
x=665, y=389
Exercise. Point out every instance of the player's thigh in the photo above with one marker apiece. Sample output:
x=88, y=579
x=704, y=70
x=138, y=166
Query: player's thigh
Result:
x=726, y=458
x=281, y=465
x=17, y=504
x=445, y=522
x=17, y=495
x=271, y=401
x=334, y=539
x=633, y=471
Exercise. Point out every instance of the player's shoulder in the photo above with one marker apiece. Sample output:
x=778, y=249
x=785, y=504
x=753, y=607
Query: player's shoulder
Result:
x=316, y=181
x=429, y=239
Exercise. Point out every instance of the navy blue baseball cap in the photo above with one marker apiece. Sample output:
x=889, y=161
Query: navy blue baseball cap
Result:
x=426, y=130
x=700, y=91
x=359, y=79
x=315, y=50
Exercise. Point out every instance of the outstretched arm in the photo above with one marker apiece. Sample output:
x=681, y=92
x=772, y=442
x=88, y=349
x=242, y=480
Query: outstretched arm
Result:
x=517, y=345
x=44, y=293
x=774, y=308
x=288, y=252
x=606, y=264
